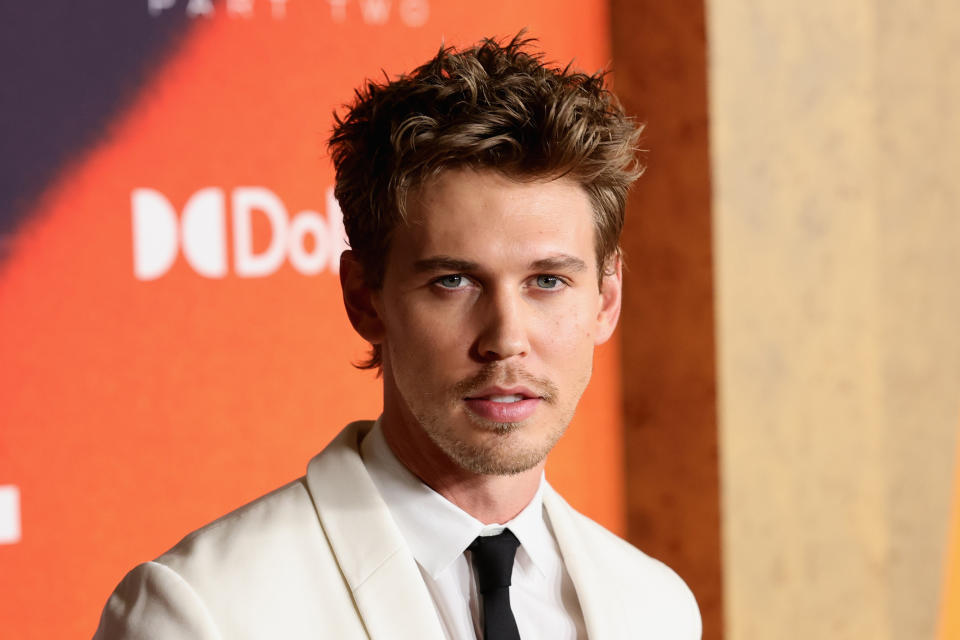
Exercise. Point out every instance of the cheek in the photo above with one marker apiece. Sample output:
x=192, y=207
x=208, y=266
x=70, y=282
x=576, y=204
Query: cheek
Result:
x=422, y=329
x=572, y=330
x=421, y=340
x=566, y=348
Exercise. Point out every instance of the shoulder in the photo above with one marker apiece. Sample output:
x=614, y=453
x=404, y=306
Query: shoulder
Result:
x=267, y=526
x=257, y=572
x=262, y=570
x=153, y=601
x=184, y=592
x=645, y=588
x=628, y=564
x=276, y=528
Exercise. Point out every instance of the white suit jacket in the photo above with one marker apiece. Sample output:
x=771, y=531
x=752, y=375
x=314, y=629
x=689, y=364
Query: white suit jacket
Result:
x=323, y=558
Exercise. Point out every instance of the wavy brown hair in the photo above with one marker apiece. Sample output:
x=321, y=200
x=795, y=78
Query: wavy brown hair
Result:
x=493, y=106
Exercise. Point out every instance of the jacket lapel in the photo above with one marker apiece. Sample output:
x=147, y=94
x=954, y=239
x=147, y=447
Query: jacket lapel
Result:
x=592, y=589
x=387, y=586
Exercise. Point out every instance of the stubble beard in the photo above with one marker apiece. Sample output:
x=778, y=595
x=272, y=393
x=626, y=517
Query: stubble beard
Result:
x=504, y=452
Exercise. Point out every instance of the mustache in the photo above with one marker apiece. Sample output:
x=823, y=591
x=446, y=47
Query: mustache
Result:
x=496, y=375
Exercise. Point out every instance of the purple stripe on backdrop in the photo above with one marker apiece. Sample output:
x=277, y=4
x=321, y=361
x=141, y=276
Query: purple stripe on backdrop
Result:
x=67, y=69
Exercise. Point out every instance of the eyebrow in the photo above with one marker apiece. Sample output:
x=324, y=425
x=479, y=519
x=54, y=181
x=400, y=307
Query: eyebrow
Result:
x=561, y=262
x=444, y=263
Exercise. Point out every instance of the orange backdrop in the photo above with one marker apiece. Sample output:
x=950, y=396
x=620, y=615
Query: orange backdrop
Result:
x=159, y=367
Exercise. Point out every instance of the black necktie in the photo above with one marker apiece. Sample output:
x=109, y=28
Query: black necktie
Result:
x=493, y=564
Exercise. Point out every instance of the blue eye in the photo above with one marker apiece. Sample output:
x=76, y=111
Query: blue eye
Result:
x=452, y=281
x=548, y=282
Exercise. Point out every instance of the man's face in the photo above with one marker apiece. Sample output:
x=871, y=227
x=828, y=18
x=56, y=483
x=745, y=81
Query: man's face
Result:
x=490, y=310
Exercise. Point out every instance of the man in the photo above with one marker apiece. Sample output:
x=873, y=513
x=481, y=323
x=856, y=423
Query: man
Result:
x=483, y=198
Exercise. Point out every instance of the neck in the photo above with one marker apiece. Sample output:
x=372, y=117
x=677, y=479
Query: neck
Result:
x=491, y=499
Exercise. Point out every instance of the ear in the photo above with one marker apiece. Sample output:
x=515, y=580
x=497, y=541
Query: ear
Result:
x=358, y=298
x=611, y=294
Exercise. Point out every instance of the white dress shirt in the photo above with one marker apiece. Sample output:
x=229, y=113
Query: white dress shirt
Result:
x=438, y=533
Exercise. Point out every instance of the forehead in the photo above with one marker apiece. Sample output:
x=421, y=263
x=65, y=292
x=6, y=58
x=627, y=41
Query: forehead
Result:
x=485, y=214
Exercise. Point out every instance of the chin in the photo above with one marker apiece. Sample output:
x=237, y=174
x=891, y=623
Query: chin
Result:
x=484, y=461
x=506, y=450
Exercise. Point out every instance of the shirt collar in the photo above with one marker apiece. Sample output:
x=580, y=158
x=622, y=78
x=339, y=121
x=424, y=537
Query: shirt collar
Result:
x=436, y=530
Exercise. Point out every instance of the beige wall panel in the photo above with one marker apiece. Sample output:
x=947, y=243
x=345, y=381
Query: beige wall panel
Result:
x=796, y=244
x=919, y=212
x=836, y=235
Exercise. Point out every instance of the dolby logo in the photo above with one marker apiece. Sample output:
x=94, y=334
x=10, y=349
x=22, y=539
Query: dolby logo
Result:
x=311, y=242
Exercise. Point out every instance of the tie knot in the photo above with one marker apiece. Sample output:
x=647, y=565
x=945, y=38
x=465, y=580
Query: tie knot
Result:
x=493, y=559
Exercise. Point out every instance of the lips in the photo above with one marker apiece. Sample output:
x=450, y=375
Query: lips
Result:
x=516, y=397
x=503, y=405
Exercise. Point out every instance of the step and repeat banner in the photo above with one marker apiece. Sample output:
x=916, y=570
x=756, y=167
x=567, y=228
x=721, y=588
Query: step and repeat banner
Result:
x=172, y=339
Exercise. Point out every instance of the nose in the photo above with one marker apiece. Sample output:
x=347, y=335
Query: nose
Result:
x=504, y=332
